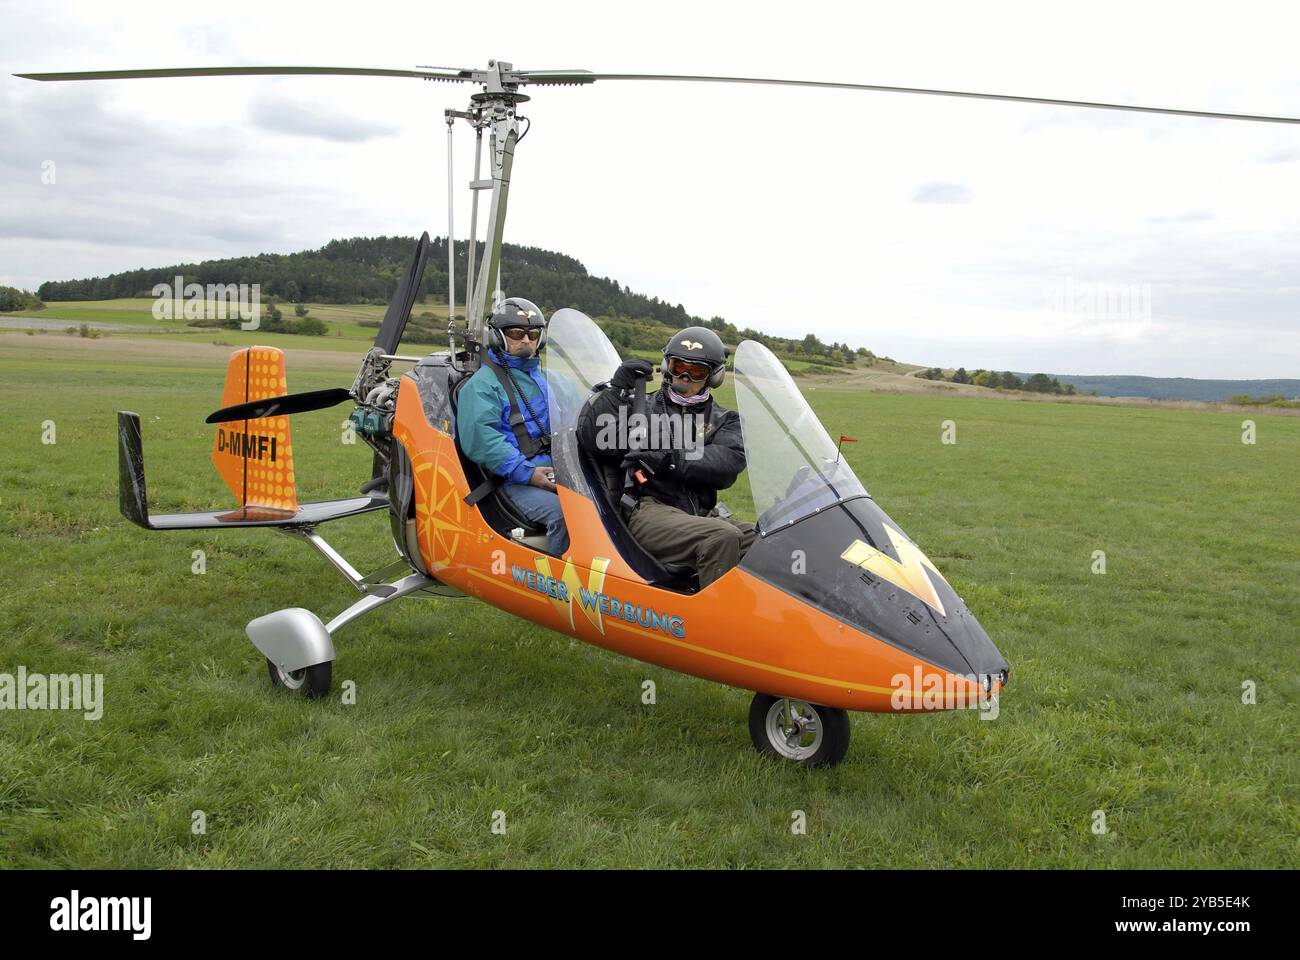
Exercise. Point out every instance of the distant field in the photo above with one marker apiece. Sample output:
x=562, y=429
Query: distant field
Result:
x=1125, y=693
x=345, y=332
x=344, y=320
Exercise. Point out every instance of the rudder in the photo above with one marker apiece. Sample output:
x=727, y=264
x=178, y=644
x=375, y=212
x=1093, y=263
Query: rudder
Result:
x=255, y=457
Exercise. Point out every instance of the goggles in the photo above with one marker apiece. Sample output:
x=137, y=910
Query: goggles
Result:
x=687, y=369
x=519, y=333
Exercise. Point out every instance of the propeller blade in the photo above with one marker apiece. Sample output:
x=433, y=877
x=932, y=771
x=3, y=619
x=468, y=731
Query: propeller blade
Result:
x=584, y=76
x=281, y=406
x=438, y=74
x=399, y=308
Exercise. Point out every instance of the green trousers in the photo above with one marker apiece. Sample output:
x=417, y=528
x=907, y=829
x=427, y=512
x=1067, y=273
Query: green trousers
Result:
x=710, y=545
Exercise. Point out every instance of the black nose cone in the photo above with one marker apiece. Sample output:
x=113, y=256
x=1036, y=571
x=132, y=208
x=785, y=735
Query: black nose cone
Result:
x=859, y=567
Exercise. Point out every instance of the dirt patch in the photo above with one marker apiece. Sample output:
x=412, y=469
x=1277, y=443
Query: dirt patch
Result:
x=62, y=347
x=55, y=323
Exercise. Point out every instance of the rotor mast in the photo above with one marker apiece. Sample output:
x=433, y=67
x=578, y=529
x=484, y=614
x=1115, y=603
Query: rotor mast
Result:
x=494, y=109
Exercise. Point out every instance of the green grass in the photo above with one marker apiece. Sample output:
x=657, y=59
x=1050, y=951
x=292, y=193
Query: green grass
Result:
x=1125, y=692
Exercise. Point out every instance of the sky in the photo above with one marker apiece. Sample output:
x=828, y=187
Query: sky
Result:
x=937, y=231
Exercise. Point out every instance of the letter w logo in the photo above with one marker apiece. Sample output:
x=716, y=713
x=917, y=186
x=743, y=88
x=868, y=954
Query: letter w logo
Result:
x=908, y=572
x=595, y=583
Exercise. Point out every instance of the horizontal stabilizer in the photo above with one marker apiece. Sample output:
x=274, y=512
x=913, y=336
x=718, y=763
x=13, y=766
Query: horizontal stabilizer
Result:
x=135, y=502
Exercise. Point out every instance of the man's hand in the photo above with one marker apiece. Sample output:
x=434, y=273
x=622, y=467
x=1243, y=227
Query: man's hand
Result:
x=660, y=462
x=543, y=477
x=625, y=377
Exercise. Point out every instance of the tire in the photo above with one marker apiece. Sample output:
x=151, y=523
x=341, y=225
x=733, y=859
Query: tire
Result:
x=311, y=682
x=825, y=738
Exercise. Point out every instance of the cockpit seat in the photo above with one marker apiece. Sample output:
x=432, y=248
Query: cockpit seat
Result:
x=605, y=478
x=500, y=514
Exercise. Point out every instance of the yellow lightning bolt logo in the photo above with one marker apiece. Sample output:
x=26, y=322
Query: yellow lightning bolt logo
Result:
x=595, y=583
x=908, y=572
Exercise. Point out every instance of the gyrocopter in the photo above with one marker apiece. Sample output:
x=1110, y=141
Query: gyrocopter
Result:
x=833, y=632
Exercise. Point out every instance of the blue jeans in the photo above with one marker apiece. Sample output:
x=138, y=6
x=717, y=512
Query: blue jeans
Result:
x=542, y=507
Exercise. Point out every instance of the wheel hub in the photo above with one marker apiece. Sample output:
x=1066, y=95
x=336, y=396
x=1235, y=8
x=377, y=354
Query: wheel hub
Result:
x=794, y=729
x=294, y=679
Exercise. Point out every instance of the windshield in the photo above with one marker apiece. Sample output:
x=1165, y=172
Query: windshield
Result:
x=794, y=466
x=578, y=356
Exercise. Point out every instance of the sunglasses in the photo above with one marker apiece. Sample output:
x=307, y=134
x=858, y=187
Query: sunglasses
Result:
x=688, y=370
x=518, y=333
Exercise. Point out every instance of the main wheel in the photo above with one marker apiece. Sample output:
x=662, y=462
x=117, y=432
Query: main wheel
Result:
x=313, y=681
x=806, y=733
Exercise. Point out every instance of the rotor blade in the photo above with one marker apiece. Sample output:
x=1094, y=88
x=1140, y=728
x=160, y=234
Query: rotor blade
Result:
x=556, y=77
x=281, y=406
x=247, y=72
x=399, y=308
x=583, y=76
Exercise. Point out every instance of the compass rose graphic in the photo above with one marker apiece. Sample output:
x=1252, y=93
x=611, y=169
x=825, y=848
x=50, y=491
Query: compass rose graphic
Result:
x=442, y=521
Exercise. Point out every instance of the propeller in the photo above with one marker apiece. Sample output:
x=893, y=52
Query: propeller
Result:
x=281, y=406
x=399, y=307
x=502, y=75
x=386, y=341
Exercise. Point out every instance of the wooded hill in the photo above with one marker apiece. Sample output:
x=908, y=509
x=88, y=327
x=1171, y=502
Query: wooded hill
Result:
x=1183, y=388
x=366, y=270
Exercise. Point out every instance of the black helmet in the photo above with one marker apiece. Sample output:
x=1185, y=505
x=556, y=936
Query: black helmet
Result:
x=701, y=345
x=515, y=312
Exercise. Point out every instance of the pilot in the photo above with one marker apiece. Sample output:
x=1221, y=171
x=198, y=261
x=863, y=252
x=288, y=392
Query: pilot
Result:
x=503, y=418
x=694, y=449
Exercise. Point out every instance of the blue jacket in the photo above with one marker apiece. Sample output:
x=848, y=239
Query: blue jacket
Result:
x=483, y=418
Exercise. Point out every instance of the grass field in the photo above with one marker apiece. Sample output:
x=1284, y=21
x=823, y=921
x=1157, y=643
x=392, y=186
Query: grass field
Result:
x=1125, y=694
x=135, y=318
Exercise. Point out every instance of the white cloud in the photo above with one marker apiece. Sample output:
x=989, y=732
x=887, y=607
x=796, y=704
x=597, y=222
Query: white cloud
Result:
x=768, y=206
x=935, y=192
x=308, y=118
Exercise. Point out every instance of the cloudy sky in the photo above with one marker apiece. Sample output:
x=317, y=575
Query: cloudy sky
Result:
x=938, y=231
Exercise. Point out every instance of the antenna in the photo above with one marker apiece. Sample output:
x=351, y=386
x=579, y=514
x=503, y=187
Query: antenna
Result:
x=451, y=231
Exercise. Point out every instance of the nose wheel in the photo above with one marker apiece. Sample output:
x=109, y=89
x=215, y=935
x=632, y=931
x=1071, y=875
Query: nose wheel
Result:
x=806, y=733
x=310, y=682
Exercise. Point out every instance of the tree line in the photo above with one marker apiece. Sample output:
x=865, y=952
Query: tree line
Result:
x=1006, y=380
x=367, y=270
x=11, y=298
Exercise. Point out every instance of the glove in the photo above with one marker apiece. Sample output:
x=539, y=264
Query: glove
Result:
x=625, y=377
x=660, y=462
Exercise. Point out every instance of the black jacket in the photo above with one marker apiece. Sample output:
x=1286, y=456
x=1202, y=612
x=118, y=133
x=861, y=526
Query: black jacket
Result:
x=696, y=473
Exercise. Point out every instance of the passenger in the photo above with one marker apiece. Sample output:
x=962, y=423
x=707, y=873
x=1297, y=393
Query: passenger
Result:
x=503, y=418
x=673, y=487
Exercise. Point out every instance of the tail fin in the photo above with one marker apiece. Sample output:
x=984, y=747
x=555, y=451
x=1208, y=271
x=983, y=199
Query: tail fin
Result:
x=255, y=457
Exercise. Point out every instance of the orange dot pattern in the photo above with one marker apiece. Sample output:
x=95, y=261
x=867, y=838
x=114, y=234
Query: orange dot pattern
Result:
x=257, y=373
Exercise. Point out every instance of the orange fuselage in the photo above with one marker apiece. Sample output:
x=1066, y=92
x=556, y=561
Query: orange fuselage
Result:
x=739, y=630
